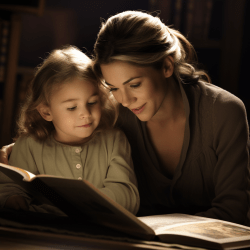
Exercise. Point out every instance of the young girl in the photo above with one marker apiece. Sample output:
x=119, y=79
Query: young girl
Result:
x=64, y=130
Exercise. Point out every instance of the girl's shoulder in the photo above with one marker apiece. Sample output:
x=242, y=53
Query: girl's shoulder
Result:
x=111, y=134
x=27, y=141
x=109, y=137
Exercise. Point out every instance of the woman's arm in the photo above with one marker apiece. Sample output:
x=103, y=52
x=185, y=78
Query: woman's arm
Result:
x=5, y=153
x=231, y=173
x=13, y=195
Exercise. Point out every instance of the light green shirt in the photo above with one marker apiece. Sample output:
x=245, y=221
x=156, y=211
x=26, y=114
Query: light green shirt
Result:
x=105, y=161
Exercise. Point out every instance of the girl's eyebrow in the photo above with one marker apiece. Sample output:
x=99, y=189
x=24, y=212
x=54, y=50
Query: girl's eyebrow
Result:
x=75, y=99
x=129, y=80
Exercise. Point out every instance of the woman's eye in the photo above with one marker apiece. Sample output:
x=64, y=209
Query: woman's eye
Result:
x=71, y=109
x=112, y=89
x=134, y=86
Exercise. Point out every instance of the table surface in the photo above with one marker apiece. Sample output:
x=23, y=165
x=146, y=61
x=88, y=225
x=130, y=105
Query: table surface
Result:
x=13, y=238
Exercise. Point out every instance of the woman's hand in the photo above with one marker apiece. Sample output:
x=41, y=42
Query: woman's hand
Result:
x=5, y=152
x=16, y=202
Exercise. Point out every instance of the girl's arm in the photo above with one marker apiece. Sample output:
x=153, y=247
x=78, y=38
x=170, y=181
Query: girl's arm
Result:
x=5, y=153
x=120, y=183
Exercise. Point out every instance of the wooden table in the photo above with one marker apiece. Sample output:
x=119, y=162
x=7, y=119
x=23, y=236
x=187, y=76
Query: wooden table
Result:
x=22, y=239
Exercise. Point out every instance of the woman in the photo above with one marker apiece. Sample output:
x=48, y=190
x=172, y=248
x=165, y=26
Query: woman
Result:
x=188, y=137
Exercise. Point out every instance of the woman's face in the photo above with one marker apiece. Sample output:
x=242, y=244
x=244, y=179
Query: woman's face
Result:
x=140, y=89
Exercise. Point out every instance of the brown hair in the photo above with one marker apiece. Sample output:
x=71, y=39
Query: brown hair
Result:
x=142, y=39
x=61, y=66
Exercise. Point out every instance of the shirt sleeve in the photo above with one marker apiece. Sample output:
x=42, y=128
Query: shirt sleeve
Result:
x=231, y=173
x=21, y=156
x=120, y=183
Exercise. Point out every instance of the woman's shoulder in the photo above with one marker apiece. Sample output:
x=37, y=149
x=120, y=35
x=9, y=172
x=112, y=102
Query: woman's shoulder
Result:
x=219, y=98
x=223, y=105
x=219, y=94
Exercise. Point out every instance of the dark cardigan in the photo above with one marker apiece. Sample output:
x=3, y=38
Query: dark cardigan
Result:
x=212, y=177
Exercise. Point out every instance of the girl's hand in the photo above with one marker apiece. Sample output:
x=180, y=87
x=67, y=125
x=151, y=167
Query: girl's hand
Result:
x=5, y=153
x=16, y=202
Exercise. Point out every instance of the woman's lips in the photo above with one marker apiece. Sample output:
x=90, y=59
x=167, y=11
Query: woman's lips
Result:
x=138, y=110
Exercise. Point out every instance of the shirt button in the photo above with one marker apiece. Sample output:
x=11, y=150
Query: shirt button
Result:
x=78, y=166
x=77, y=150
x=79, y=178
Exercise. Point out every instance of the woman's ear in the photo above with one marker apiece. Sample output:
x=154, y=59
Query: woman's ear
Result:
x=168, y=66
x=45, y=112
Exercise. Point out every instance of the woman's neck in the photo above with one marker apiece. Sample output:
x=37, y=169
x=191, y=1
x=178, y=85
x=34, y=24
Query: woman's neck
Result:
x=172, y=107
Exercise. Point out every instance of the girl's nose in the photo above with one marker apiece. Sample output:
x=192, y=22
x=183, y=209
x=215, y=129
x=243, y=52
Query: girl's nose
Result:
x=85, y=113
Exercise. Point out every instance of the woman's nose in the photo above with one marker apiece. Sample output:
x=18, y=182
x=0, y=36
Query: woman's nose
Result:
x=126, y=99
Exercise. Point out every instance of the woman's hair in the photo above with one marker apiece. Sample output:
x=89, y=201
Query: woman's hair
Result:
x=60, y=67
x=142, y=39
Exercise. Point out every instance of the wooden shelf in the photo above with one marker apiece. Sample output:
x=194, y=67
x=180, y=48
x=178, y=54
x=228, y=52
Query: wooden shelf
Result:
x=8, y=103
x=26, y=9
x=202, y=43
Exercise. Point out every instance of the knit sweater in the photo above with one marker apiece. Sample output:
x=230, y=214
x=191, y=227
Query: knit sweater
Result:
x=212, y=176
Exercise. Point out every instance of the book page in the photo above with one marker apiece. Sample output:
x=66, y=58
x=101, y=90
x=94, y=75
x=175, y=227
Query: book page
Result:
x=207, y=229
x=160, y=222
x=85, y=202
x=12, y=171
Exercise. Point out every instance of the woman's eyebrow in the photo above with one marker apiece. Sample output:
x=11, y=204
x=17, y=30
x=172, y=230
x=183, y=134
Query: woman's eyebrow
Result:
x=129, y=80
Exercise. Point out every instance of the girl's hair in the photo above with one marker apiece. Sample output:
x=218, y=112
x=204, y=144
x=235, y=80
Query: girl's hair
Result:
x=142, y=39
x=60, y=67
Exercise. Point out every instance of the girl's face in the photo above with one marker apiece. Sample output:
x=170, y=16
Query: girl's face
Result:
x=140, y=89
x=75, y=111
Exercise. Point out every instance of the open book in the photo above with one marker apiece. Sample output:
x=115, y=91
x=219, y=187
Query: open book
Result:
x=82, y=201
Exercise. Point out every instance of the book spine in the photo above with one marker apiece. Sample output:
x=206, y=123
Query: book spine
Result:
x=209, y=6
x=177, y=15
x=153, y=5
x=165, y=7
x=4, y=48
x=189, y=17
x=198, y=19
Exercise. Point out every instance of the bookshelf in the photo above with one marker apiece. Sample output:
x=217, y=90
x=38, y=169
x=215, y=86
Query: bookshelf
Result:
x=11, y=12
x=215, y=28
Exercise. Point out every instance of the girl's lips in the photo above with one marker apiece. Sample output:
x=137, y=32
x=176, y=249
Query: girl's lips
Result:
x=86, y=125
x=138, y=110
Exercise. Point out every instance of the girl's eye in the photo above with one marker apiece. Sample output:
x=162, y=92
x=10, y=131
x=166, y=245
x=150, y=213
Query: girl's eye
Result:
x=135, y=85
x=71, y=109
x=92, y=103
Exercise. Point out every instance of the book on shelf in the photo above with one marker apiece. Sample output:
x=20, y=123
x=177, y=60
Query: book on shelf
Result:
x=5, y=30
x=80, y=200
x=165, y=8
x=208, y=13
x=177, y=14
x=198, y=18
x=189, y=17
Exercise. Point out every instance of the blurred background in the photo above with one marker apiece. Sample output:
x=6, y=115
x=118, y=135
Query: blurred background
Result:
x=218, y=30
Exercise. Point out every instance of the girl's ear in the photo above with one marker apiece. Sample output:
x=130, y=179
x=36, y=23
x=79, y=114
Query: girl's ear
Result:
x=168, y=66
x=45, y=112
